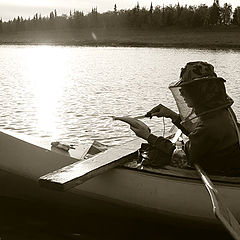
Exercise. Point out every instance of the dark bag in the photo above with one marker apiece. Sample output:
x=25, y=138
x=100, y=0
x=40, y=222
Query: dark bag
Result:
x=152, y=156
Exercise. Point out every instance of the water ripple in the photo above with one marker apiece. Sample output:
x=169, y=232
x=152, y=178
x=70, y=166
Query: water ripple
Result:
x=69, y=93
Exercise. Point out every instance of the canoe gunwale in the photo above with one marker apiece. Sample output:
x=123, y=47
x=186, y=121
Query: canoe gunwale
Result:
x=186, y=175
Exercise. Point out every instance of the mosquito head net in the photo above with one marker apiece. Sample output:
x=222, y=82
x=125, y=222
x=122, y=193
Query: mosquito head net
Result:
x=198, y=92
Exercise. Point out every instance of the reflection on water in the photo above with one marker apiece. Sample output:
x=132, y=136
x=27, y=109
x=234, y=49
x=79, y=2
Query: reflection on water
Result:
x=46, y=76
x=69, y=93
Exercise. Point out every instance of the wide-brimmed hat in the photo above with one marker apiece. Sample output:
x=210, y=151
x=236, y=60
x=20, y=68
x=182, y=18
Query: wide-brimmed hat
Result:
x=196, y=71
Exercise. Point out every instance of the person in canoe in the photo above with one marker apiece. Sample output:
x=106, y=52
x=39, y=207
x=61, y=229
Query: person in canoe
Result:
x=205, y=116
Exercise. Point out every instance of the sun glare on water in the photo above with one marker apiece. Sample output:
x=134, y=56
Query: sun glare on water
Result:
x=47, y=76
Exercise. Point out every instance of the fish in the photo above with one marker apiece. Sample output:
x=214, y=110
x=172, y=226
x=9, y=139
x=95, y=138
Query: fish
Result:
x=131, y=121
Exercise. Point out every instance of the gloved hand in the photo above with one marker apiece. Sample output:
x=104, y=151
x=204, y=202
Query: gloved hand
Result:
x=161, y=111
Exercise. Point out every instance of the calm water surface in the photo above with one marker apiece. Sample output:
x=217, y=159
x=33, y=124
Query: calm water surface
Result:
x=69, y=93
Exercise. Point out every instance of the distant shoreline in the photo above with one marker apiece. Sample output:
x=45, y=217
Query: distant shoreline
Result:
x=216, y=38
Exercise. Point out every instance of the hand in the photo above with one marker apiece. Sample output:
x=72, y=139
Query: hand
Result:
x=161, y=111
x=142, y=132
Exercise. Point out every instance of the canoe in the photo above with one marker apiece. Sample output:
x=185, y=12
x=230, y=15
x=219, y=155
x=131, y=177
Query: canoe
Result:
x=168, y=191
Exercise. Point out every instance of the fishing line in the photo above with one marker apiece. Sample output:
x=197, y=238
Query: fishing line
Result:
x=164, y=128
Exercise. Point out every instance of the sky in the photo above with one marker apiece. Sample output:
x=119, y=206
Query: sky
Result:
x=27, y=8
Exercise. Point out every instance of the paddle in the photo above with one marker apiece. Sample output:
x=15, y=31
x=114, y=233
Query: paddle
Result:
x=220, y=210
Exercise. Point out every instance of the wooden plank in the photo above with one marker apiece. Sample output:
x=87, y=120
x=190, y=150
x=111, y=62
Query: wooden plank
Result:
x=77, y=173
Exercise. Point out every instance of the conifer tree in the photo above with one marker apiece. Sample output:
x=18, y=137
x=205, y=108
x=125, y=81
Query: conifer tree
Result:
x=214, y=13
x=1, y=25
x=151, y=8
x=236, y=16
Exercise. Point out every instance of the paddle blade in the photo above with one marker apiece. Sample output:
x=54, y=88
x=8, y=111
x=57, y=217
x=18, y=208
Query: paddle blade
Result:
x=220, y=210
x=226, y=217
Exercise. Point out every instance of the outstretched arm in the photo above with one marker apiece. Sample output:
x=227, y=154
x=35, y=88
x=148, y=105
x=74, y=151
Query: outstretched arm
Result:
x=162, y=111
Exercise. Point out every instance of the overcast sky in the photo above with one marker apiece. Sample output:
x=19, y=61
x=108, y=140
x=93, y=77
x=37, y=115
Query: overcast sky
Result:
x=27, y=8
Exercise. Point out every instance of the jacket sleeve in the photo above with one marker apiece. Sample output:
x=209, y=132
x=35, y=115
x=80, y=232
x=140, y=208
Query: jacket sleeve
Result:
x=178, y=124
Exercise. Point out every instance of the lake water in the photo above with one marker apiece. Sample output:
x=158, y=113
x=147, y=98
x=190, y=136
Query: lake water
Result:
x=70, y=93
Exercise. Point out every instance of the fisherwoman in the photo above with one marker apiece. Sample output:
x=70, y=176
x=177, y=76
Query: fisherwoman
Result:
x=205, y=116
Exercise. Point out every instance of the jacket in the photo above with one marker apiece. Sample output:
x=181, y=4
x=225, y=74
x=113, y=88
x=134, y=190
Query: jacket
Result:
x=213, y=143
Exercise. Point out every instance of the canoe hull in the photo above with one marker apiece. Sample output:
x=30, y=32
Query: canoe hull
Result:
x=160, y=194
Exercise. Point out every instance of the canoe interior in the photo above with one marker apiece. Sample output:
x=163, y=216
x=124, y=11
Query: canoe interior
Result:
x=184, y=174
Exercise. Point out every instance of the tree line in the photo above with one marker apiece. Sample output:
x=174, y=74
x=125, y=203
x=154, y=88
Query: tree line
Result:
x=142, y=18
